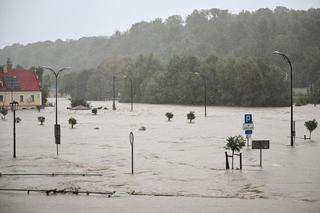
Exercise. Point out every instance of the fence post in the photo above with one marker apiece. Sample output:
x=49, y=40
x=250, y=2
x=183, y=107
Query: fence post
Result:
x=240, y=160
x=227, y=161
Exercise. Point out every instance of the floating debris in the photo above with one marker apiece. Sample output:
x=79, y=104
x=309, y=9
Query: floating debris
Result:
x=142, y=128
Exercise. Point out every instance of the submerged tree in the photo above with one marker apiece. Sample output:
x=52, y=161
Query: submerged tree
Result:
x=311, y=125
x=235, y=144
x=169, y=115
x=72, y=122
x=191, y=116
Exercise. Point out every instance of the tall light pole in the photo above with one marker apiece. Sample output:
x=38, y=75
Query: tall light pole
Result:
x=205, y=92
x=291, y=99
x=57, y=128
x=14, y=107
x=114, y=92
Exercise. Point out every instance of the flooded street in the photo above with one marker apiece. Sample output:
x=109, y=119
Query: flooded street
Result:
x=173, y=157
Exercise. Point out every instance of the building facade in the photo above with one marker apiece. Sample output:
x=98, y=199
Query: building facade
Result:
x=19, y=85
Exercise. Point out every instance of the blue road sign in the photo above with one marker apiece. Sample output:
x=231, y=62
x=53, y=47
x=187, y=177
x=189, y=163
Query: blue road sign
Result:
x=248, y=132
x=248, y=118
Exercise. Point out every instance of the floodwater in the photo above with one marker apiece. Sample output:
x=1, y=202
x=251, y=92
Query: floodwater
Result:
x=175, y=157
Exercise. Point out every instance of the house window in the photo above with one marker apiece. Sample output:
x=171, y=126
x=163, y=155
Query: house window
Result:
x=21, y=98
x=1, y=98
x=32, y=98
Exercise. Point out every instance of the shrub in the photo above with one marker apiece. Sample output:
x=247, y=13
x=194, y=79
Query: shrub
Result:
x=169, y=115
x=77, y=102
x=3, y=111
x=235, y=143
x=311, y=125
x=94, y=111
x=191, y=116
x=18, y=119
x=41, y=119
x=72, y=122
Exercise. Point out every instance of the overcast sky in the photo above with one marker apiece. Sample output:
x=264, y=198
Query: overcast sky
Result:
x=28, y=21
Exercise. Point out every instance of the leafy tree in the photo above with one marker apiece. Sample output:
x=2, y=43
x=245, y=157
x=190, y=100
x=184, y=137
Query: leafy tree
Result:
x=94, y=111
x=169, y=115
x=72, y=122
x=41, y=119
x=191, y=116
x=235, y=144
x=311, y=125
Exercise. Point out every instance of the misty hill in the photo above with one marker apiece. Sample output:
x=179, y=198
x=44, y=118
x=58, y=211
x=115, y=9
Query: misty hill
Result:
x=202, y=33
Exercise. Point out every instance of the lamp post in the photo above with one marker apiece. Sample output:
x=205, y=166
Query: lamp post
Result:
x=56, y=126
x=114, y=93
x=14, y=107
x=205, y=93
x=291, y=99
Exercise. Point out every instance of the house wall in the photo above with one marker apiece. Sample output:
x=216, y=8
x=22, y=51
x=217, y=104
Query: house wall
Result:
x=27, y=98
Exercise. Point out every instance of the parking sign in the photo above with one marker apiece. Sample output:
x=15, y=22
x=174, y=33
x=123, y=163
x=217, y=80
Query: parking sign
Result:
x=248, y=118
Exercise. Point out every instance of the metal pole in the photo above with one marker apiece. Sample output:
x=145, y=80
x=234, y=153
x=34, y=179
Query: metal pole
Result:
x=56, y=127
x=14, y=133
x=56, y=98
x=205, y=97
x=114, y=93
x=132, y=158
x=291, y=98
x=291, y=101
x=227, y=161
x=56, y=75
x=260, y=157
x=131, y=94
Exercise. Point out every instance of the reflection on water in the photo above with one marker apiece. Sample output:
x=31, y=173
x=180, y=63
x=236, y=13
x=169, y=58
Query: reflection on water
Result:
x=173, y=157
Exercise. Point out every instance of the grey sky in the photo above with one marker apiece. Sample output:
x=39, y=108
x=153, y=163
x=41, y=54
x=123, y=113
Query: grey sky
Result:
x=27, y=21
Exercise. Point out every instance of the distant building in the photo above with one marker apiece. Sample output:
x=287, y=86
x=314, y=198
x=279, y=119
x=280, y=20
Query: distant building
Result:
x=19, y=85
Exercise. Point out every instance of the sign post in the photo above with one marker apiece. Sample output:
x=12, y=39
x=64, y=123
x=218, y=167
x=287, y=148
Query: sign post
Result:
x=260, y=144
x=131, y=138
x=248, y=126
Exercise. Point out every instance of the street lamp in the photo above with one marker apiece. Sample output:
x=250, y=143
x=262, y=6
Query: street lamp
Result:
x=14, y=107
x=114, y=92
x=131, y=90
x=291, y=99
x=205, y=92
x=56, y=126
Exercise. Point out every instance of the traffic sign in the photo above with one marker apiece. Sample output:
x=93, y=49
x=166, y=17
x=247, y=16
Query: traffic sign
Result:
x=248, y=118
x=260, y=144
x=248, y=126
x=131, y=138
x=248, y=132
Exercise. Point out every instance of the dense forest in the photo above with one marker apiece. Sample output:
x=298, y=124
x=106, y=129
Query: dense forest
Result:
x=231, y=81
x=200, y=34
x=170, y=60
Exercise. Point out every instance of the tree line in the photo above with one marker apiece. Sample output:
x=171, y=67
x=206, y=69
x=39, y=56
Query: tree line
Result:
x=200, y=34
x=231, y=81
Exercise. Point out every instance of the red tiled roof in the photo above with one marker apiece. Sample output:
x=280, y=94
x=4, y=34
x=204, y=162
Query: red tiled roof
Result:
x=27, y=80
